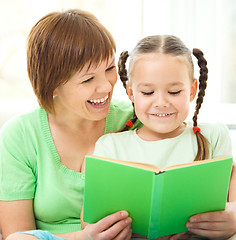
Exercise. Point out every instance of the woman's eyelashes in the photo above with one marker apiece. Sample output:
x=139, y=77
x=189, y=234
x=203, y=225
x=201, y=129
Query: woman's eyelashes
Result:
x=110, y=68
x=91, y=78
x=87, y=80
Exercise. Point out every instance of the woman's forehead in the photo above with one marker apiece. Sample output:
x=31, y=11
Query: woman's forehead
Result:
x=91, y=67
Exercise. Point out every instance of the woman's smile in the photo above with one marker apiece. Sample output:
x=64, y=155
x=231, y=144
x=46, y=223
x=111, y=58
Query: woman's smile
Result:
x=99, y=102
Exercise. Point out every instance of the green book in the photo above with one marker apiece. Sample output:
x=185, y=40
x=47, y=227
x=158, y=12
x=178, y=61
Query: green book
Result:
x=160, y=202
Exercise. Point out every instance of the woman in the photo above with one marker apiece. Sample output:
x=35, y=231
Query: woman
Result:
x=71, y=66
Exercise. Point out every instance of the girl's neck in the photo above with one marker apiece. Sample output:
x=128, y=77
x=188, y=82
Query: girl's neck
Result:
x=149, y=135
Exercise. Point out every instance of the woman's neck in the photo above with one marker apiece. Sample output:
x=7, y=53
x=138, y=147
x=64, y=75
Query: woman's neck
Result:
x=68, y=120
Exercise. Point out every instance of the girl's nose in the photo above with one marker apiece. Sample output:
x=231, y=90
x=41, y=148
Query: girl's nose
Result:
x=160, y=100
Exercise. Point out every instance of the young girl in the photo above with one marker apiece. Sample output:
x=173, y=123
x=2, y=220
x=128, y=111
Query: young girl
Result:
x=160, y=82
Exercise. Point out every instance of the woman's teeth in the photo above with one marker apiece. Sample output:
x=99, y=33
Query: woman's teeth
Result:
x=101, y=100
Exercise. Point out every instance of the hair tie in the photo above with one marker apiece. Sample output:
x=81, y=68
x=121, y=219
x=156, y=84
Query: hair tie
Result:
x=196, y=129
x=129, y=124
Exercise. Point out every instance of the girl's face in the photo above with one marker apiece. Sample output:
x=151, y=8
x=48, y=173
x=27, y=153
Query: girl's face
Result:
x=161, y=90
x=88, y=93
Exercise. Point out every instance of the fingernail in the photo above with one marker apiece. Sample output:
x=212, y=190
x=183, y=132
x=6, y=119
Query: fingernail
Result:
x=189, y=225
x=124, y=214
x=192, y=220
x=128, y=220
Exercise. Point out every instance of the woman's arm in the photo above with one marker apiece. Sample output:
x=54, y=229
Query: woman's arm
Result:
x=16, y=216
x=116, y=226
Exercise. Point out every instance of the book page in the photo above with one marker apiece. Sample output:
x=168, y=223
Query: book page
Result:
x=152, y=167
x=146, y=166
x=192, y=163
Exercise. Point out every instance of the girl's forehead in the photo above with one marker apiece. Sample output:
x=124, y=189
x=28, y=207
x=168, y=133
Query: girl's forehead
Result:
x=164, y=70
x=160, y=62
x=159, y=56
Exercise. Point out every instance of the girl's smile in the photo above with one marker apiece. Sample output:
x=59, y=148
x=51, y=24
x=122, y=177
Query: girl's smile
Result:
x=161, y=115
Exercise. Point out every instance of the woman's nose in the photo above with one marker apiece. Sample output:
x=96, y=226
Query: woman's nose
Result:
x=105, y=84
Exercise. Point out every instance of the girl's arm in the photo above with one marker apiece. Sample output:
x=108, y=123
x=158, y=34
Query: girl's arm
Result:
x=232, y=185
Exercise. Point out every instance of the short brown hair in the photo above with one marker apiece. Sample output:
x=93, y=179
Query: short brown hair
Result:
x=59, y=45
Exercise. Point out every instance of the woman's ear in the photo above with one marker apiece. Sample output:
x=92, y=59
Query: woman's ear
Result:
x=193, y=90
x=54, y=93
x=129, y=92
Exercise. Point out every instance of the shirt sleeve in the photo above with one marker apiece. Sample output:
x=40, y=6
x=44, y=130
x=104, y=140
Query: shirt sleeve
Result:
x=221, y=142
x=105, y=147
x=45, y=235
x=17, y=179
x=120, y=111
x=233, y=237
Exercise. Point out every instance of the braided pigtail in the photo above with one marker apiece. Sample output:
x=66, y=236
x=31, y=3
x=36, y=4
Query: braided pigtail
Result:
x=203, y=148
x=129, y=123
x=122, y=69
x=124, y=78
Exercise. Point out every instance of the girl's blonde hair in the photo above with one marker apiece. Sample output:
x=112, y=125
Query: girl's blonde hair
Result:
x=59, y=45
x=168, y=44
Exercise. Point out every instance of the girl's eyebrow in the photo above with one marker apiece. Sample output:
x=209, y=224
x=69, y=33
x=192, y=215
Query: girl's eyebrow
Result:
x=146, y=84
x=176, y=84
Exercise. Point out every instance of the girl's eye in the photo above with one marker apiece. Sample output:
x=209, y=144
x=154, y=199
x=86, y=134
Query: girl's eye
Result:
x=110, y=68
x=88, y=80
x=175, y=93
x=147, y=93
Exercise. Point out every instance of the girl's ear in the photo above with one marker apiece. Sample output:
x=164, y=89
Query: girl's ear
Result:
x=193, y=90
x=129, y=92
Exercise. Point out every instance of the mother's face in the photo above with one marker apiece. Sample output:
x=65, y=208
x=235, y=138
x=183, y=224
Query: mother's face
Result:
x=88, y=93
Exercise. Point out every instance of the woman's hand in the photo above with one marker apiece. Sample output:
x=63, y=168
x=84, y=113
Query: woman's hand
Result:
x=215, y=225
x=116, y=226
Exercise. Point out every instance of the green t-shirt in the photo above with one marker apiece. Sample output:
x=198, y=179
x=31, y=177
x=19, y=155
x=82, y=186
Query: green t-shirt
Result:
x=30, y=168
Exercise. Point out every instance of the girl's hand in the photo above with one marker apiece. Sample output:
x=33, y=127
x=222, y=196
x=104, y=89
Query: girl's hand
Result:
x=116, y=226
x=215, y=225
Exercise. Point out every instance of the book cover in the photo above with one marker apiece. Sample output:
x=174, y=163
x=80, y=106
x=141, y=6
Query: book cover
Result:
x=160, y=202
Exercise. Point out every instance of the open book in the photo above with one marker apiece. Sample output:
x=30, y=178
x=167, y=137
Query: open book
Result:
x=160, y=201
